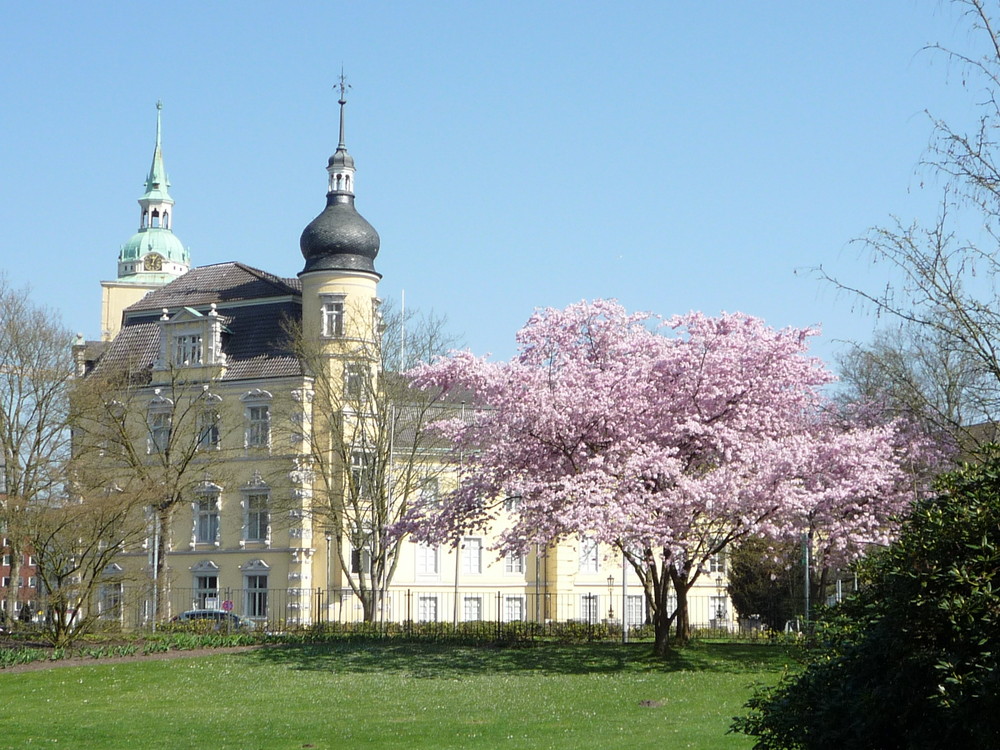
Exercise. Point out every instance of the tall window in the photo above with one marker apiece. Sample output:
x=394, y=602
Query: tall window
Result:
x=513, y=608
x=361, y=473
x=717, y=563
x=258, y=518
x=333, y=315
x=514, y=563
x=206, y=522
x=472, y=608
x=427, y=560
x=256, y=592
x=356, y=377
x=208, y=429
x=427, y=608
x=361, y=561
x=188, y=349
x=588, y=608
x=109, y=603
x=258, y=426
x=206, y=591
x=159, y=432
x=589, y=560
x=635, y=610
x=472, y=555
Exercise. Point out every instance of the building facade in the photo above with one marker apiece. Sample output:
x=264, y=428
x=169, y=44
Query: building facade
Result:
x=252, y=432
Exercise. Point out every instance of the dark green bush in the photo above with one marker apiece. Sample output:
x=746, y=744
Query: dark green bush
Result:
x=911, y=661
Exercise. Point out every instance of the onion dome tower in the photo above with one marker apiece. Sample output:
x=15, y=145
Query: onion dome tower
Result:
x=153, y=256
x=340, y=239
x=339, y=280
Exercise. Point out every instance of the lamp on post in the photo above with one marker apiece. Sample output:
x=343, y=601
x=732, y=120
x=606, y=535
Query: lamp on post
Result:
x=611, y=599
x=720, y=606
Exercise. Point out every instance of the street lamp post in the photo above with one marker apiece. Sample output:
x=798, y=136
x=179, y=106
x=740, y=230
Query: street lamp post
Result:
x=720, y=607
x=611, y=598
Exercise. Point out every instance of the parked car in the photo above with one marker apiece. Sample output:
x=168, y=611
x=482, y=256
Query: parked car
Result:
x=223, y=620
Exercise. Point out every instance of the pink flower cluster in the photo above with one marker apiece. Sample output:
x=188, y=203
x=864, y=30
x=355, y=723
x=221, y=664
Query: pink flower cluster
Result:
x=681, y=435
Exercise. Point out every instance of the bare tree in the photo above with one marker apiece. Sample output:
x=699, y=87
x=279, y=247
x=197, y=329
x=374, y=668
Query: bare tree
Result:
x=75, y=543
x=942, y=290
x=36, y=370
x=157, y=435
x=369, y=448
x=915, y=373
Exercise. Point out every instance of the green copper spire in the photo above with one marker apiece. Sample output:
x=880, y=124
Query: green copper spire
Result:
x=154, y=254
x=157, y=182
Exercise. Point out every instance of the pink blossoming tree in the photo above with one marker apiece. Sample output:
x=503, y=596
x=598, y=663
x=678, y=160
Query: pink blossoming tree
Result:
x=667, y=439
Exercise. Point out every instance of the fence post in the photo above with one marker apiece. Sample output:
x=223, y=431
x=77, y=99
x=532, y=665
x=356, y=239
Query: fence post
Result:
x=409, y=612
x=499, y=620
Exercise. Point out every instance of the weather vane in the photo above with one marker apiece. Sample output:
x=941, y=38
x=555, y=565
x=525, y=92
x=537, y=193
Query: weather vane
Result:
x=343, y=85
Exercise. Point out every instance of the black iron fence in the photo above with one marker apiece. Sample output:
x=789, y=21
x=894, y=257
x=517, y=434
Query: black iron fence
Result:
x=280, y=608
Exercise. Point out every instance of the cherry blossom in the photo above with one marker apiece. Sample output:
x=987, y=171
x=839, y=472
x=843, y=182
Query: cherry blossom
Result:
x=666, y=438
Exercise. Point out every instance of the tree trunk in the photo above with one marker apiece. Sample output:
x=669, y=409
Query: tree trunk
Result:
x=161, y=585
x=683, y=617
x=661, y=631
x=13, y=591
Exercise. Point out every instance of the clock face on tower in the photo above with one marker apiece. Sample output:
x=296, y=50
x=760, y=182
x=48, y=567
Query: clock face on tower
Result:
x=153, y=262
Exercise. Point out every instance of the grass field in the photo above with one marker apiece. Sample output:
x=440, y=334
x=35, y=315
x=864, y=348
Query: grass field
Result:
x=390, y=694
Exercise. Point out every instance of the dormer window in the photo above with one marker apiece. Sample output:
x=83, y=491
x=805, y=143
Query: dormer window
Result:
x=189, y=338
x=188, y=349
x=333, y=312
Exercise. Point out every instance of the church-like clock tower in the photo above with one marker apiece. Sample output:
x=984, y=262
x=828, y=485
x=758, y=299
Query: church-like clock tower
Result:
x=153, y=256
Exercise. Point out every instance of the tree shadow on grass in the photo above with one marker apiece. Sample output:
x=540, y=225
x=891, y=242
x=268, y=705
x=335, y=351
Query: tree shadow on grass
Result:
x=448, y=660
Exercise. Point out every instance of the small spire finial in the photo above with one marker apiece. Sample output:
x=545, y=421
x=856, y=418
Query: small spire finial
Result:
x=343, y=85
x=159, y=109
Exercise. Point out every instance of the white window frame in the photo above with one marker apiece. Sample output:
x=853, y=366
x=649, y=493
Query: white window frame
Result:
x=356, y=379
x=472, y=608
x=207, y=505
x=427, y=607
x=590, y=608
x=204, y=593
x=428, y=563
x=590, y=560
x=256, y=598
x=472, y=555
x=257, y=415
x=160, y=424
x=333, y=312
x=361, y=468
x=717, y=563
x=635, y=610
x=188, y=349
x=515, y=608
x=109, y=601
x=251, y=492
x=514, y=563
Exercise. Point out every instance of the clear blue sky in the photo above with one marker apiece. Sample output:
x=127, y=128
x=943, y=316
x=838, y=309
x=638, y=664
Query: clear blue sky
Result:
x=673, y=155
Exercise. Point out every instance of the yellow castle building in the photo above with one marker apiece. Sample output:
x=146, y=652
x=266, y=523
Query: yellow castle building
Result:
x=260, y=424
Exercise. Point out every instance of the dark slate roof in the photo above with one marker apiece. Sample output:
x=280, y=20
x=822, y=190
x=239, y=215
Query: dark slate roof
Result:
x=339, y=238
x=256, y=343
x=222, y=283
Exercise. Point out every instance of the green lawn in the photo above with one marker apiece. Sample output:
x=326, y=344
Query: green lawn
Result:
x=392, y=694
